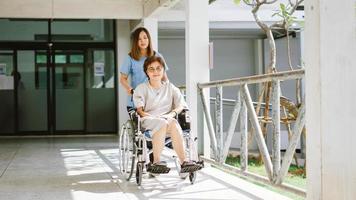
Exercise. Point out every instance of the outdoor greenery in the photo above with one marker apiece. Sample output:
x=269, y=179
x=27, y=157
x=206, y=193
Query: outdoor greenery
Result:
x=296, y=175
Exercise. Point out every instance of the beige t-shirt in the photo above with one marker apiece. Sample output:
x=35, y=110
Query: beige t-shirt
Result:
x=160, y=101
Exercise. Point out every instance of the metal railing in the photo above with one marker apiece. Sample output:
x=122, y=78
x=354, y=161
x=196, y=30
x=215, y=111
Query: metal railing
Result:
x=276, y=167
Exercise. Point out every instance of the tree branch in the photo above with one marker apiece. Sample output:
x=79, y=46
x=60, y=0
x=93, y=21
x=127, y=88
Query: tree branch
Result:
x=257, y=18
x=294, y=6
x=280, y=24
x=248, y=3
x=269, y=2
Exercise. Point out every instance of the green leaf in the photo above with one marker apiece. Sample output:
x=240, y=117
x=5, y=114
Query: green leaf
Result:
x=283, y=7
x=237, y=2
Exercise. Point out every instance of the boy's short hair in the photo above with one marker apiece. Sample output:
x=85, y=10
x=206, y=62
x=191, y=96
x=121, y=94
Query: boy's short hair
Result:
x=151, y=60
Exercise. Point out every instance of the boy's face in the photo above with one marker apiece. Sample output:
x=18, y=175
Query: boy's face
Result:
x=155, y=71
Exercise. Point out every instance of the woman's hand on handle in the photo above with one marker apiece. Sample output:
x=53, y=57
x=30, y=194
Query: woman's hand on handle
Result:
x=125, y=83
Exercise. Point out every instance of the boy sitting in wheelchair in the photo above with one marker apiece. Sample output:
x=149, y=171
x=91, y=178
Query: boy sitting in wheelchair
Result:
x=158, y=104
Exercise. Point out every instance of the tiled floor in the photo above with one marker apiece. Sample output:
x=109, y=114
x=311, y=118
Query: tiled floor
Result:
x=73, y=168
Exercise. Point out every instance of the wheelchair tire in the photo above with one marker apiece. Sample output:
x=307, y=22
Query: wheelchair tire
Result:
x=127, y=150
x=139, y=172
x=192, y=177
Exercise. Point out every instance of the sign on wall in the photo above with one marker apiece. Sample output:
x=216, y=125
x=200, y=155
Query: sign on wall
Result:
x=99, y=69
x=2, y=69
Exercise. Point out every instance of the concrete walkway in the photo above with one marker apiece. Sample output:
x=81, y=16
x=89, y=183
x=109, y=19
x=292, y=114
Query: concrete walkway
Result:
x=85, y=168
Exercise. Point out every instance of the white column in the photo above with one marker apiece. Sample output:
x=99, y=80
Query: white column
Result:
x=330, y=47
x=123, y=48
x=152, y=26
x=197, y=65
x=259, y=65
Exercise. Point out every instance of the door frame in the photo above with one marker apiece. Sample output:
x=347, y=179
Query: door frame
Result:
x=51, y=47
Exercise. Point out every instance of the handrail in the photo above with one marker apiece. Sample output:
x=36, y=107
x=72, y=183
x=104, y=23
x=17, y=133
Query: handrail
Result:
x=281, y=76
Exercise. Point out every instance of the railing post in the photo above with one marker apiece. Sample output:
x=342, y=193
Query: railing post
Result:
x=258, y=134
x=244, y=139
x=232, y=126
x=276, y=134
x=288, y=156
x=219, y=123
x=209, y=122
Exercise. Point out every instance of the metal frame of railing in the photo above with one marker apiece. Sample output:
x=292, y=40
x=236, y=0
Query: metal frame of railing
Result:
x=276, y=167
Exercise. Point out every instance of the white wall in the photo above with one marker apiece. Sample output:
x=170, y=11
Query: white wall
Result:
x=173, y=50
x=232, y=58
x=124, y=46
x=76, y=9
x=330, y=46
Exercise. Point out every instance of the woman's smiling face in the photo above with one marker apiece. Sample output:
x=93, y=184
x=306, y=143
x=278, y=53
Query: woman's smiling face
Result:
x=155, y=71
x=143, y=40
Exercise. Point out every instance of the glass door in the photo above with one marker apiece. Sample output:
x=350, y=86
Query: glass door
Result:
x=100, y=91
x=68, y=91
x=58, y=76
x=32, y=91
x=7, y=103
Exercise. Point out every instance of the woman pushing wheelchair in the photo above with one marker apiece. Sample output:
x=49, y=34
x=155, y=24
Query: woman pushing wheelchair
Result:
x=158, y=103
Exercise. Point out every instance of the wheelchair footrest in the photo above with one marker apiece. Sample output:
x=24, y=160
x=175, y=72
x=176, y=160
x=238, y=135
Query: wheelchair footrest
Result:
x=191, y=167
x=158, y=169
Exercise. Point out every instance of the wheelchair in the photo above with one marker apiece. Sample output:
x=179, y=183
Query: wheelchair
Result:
x=135, y=148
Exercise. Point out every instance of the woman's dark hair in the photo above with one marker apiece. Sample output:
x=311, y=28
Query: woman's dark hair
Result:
x=135, y=49
x=151, y=60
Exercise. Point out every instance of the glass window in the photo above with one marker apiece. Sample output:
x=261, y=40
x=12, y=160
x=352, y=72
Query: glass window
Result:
x=23, y=30
x=90, y=30
x=102, y=65
x=76, y=59
x=41, y=58
x=61, y=59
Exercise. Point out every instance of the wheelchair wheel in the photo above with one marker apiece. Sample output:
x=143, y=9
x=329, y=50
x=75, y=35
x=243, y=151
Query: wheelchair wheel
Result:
x=139, y=171
x=192, y=177
x=127, y=150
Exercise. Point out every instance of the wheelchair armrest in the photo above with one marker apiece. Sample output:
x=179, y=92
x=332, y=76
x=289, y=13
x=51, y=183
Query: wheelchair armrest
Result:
x=135, y=117
x=184, y=119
